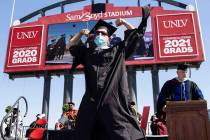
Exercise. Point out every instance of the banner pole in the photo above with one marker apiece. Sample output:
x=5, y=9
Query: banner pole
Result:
x=199, y=23
x=12, y=14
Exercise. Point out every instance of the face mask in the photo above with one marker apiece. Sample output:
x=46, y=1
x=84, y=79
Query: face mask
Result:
x=100, y=41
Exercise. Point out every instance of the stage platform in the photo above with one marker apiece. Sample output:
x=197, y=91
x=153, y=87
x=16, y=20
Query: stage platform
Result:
x=68, y=134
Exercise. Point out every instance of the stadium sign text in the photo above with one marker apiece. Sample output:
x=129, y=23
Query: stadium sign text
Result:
x=86, y=16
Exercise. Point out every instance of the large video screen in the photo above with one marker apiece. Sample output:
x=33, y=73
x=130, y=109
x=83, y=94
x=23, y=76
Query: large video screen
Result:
x=59, y=35
x=171, y=37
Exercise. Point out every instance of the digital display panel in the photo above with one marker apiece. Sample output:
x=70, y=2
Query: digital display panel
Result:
x=59, y=35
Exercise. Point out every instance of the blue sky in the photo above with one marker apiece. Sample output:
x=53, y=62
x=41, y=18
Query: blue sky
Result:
x=32, y=88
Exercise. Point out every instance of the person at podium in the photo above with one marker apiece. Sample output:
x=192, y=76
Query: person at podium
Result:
x=179, y=88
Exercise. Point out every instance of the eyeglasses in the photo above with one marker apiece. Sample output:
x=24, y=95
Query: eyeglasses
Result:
x=182, y=71
x=102, y=33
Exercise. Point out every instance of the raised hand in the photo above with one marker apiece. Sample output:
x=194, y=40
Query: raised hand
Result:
x=119, y=21
x=84, y=32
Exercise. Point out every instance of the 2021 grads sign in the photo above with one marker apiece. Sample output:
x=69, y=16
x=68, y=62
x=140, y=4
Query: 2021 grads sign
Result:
x=25, y=46
x=176, y=35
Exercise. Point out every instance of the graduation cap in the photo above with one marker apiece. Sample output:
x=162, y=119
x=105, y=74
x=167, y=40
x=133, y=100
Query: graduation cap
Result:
x=71, y=103
x=63, y=35
x=15, y=110
x=40, y=116
x=53, y=40
x=132, y=103
x=102, y=25
x=182, y=67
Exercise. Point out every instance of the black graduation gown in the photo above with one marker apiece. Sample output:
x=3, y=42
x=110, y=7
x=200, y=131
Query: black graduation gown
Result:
x=104, y=111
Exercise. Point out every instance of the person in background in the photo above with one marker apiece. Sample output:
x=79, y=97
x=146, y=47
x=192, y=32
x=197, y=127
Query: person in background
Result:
x=68, y=118
x=158, y=125
x=63, y=122
x=72, y=113
x=134, y=111
x=60, y=47
x=37, y=127
x=50, y=55
x=12, y=121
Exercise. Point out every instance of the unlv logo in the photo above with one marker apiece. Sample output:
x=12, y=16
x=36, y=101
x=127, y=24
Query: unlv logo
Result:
x=27, y=35
x=175, y=23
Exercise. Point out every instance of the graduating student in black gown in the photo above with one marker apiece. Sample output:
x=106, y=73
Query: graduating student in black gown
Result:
x=104, y=112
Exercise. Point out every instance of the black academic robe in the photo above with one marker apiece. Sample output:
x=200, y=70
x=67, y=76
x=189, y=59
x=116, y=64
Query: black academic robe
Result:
x=104, y=112
x=174, y=90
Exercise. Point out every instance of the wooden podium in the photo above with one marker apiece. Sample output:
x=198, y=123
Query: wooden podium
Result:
x=188, y=120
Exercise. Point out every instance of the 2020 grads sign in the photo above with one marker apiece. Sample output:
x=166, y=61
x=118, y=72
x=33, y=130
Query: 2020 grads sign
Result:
x=25, y=46
x=176, y=35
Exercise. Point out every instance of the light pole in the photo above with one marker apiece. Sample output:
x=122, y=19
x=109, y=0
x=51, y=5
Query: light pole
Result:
x=196, y=7
x=13, y=8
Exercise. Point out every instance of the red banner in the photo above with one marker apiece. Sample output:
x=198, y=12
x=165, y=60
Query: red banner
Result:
x=25, y=46
x=176, y=35
x=86, y=14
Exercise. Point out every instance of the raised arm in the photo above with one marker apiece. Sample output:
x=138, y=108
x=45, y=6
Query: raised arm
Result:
x=133, y=36
x=76, y=38
x=121, y=21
